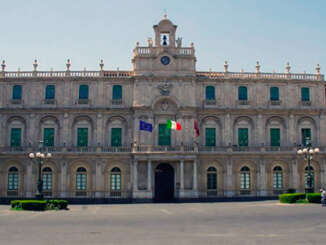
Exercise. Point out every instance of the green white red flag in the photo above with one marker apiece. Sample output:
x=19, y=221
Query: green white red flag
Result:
x=173, y=125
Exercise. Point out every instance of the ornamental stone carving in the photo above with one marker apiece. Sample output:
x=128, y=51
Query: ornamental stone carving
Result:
x=165, y=88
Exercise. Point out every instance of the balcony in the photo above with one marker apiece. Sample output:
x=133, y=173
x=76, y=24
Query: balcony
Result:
x=16, y=101
x=209, y=103
x=145, y=149
x=49, y=101
x=83, y=101
x=243, y=102
x=305, y=103
x=275, y=102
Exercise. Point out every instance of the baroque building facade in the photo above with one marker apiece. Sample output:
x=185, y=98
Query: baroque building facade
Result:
x=250, y=127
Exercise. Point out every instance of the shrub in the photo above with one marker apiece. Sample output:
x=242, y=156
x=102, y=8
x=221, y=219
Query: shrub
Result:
x=39, y=205
x=58, y=204
x=291, y=190
x=291, y=198
x=314, y=197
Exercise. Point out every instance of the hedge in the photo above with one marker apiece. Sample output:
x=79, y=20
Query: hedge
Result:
x=39, y=205
x=291, y=198
x=314, y=197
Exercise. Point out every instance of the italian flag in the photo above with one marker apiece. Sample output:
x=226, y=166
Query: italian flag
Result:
x=173, y=125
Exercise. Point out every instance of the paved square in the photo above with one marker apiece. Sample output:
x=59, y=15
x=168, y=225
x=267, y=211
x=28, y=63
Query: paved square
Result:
x=196, y=223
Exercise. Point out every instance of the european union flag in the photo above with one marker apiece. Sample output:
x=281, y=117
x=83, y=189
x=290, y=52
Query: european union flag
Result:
x=145, y=126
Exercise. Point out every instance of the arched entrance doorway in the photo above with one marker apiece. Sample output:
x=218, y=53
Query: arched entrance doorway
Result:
x=164, y=183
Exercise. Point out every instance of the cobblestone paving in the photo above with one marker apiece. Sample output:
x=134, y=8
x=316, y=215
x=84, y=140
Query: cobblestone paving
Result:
x=197, y=223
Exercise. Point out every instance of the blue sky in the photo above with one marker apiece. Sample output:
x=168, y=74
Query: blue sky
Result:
x=240, y=31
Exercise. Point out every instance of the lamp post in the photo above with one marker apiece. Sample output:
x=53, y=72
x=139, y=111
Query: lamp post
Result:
x=40, y=157
x=307, y=153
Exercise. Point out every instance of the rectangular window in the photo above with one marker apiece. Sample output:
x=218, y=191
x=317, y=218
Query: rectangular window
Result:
x=277, y=180
x=116, y=136
x=211, y=181
x=82, y=137
x=305, y=135
x=50, y=92
x=275, y=136
x=13, y=182
x=210, y=136
x=48, y=137
x=47, y=181
x=17, y=92
x=245, y=181
x=83, y=92
x=243, y=136
x=115, y=182
x=15, y=139
x=117, y=92
x=305, y=94
x=210, y=93
x=274, y=93
x=81, y=182
x=164, y=135
x=242, y=93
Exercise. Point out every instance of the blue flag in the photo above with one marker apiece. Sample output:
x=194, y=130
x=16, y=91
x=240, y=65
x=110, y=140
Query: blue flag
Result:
x=145, y=126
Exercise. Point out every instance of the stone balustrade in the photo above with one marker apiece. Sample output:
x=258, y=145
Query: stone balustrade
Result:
x=158, y=149
x=260, y=75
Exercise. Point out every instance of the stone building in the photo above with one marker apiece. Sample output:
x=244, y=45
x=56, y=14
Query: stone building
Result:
x=250, y=125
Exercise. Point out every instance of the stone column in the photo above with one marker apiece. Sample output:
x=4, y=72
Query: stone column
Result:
x=135, y=174
x=229, y=183
x=32, y=131
x=261, y=179
x=99, y=185
x=63, y=183
x=292, y=131
x=149, y=175
x=29, y=180
x=65, y=134
x=227, y=131
x=99, y=130
x=194, y=182
x=181, y=175
x=295, y=175
x=260, y=137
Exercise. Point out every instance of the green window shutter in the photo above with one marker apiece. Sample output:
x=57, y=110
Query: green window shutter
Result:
x=117, y=92
x=210, y=93
x=243, y=93
x=210, y=136
x=164, y=135
x=83, y=91
x=116, y=136
x=15, y=139
x=305, y=94
x=82, y=137
x=274, y=93
x=48, y=137
x=243, y=136
x=275, y=136
x=305, y=134
x=17, y=92
x=50, y=92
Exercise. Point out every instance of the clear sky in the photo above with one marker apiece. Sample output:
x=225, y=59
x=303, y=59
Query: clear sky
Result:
x=239, y=31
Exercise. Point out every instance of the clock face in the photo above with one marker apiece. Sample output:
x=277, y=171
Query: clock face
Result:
x=165, y=60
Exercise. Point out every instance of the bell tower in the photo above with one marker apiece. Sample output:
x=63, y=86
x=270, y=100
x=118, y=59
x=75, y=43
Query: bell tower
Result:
x=166, y=56
x=165, y=33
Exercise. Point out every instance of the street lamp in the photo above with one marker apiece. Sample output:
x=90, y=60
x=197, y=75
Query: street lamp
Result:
x=40, y=157
x=307, y=153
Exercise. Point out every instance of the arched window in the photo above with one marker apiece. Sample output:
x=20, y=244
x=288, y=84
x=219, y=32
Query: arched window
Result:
x=306, y=177
x=47, y=178
x=274, y=93
x=245, y=178
x=83, y=92
x=211, y=179
x=50, y=92
x=12, y=181
x=117, y=92
x=242, y=93
x=115, y=182
x=17, y=92
x=277, y=178
x=81, y=181
x=210, y=93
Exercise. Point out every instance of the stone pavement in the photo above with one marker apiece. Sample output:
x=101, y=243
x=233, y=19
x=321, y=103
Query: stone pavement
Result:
x=194, y=223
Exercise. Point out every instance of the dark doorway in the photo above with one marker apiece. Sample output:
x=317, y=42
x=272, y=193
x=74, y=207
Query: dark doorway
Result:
x=164, y=183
